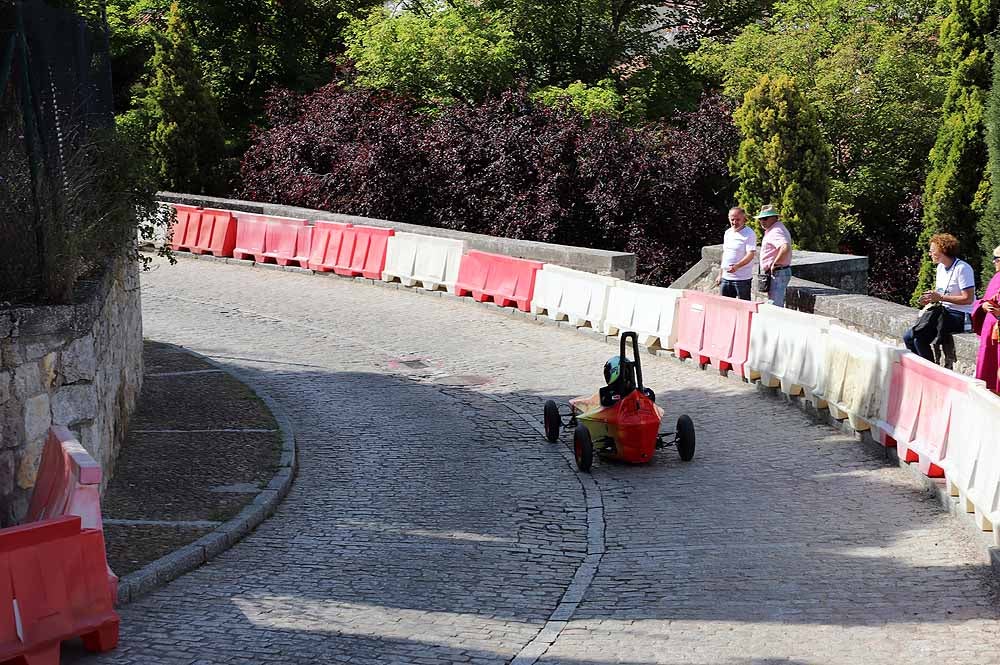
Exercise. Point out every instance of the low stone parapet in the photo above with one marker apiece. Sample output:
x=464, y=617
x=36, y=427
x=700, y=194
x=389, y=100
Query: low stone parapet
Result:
x=77, y=365
x=621, y=265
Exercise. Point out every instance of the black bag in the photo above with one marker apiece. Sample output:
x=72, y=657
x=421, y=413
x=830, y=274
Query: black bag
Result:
x=764, y=282
x=926, y=325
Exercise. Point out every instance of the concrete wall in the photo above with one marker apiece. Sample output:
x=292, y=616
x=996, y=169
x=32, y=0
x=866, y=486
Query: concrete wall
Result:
x=842, y=271
x=78, y=365
x=602, y=262
x=836, y=285
x=878, y=318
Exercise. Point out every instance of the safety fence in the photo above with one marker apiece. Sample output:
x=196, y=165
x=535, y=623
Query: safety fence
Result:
x=55, y=583
x=940, y=421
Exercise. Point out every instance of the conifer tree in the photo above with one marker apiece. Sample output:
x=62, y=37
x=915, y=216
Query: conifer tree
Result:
x=989, y=225
x=956, y=185
x=186, y=142
x=783, y=159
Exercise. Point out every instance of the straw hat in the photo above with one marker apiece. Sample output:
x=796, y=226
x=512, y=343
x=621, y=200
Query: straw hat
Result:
x=767, y=211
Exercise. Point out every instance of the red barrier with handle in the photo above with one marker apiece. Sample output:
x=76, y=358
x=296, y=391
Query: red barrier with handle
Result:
x=184, y=232
x=52, y=588
x=714, y=330
x=250, y=233
x=505, y=279
x=362, y=251
x=68, y=482
x=281, y=240
x=303, y=246
x=218, y=233
x=327, y=237
x=918, y=417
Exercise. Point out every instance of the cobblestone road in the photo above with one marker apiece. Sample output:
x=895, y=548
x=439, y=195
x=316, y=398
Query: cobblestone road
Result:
x=430, y=523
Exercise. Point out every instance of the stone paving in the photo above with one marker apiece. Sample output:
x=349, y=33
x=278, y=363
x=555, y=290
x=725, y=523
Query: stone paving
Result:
x=430, y=522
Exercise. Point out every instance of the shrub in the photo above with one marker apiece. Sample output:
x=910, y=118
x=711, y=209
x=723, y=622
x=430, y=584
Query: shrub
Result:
x=352, y=151
x=505, y=167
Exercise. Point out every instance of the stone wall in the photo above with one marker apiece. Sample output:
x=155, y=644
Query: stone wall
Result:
x=78, y=365
x=603, y=262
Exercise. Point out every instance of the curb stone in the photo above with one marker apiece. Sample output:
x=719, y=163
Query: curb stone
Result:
x=168, y=568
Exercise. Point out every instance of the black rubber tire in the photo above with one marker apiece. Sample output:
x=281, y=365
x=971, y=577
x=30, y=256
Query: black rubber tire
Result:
x=685, y=438
x=553, y=422
x=583, y=448
x=648, y=392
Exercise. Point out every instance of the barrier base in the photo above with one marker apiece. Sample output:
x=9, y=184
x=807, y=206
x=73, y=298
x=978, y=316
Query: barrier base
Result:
x=103, y=639
x=930, y=469
x=427, y=285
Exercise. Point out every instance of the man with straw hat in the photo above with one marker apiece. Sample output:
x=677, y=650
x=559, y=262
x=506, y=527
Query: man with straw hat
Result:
x=775, y=255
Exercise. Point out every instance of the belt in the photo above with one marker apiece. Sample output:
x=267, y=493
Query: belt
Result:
x=777, y=268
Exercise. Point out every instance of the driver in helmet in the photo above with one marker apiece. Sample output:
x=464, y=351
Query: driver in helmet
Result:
x=619, y=374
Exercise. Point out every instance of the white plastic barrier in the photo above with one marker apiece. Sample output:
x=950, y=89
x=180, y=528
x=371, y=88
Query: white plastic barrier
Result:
x=429, y=260
x=856, y=375
x=576, y=296
x=650, y=311
x=972, y=466
x=788, y=349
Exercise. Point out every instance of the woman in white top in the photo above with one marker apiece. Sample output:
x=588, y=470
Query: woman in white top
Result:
x=955, y=289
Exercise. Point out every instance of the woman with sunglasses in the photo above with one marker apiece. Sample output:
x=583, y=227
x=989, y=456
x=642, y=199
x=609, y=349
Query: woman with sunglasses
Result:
x=985, y=314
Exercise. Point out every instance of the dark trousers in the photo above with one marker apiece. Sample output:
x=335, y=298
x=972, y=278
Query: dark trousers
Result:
x=954, y=322
x=736, y=288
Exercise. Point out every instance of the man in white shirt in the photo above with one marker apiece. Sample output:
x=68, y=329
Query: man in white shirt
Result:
x=739, y=247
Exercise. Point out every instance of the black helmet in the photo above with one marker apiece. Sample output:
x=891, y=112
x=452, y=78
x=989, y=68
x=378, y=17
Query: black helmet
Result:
x=619, y=373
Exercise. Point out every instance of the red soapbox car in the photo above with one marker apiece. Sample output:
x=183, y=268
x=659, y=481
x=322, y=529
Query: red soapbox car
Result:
x=621, y=421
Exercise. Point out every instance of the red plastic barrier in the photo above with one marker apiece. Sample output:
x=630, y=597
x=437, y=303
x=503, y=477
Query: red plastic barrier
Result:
x=362, y=251
x=53, y=588
x=217, y=235
x=327, y=237
x=250, y=233
x=714, y=330
x=505, y=279
x=918, y=416
x=184, y=233
x=68, y=483
x=303, y=246
x=281, y=240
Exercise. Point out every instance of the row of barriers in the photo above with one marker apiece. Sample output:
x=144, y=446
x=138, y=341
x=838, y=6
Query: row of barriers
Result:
x=937, y=419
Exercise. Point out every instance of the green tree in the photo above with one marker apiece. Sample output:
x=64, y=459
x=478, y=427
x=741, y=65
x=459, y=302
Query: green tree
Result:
x=244, y=48
x=457, y=53
x=956, y=184
x=784, y=159
x=185, y=142
x=989, y=224
x=585, y=40
x=870, y=69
